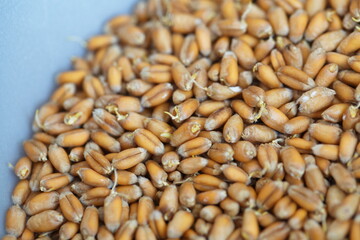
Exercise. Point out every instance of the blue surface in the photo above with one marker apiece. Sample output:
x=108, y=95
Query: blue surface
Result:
x=34, y=47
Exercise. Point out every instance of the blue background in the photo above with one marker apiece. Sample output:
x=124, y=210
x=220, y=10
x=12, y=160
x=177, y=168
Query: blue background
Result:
x=34, y=47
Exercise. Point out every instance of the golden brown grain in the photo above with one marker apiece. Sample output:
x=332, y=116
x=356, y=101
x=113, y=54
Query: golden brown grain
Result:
x=201, y=120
